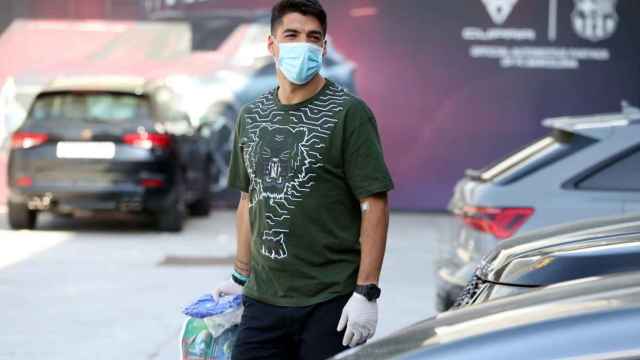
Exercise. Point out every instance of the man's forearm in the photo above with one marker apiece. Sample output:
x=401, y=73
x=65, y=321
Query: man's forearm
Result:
x=243, y=230
x=373, y=237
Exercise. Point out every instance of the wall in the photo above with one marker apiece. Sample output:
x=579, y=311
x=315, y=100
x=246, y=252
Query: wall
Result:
x=69, y=9
x=456, y=84
x=447, y=97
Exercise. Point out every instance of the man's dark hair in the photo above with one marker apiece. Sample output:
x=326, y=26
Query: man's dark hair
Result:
x=304, y=7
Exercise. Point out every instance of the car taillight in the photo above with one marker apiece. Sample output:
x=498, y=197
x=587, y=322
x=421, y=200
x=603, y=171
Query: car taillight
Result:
x=24, y=181
x=148, y=141
x=26, y=140
x=152, y=183
x=500, y=222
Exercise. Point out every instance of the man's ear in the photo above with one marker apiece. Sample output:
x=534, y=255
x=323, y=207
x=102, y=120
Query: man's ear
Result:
x=271, y=45
x=324, y=48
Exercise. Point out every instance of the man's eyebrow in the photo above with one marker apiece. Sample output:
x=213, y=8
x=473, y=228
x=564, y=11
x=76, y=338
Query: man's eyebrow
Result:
x=291, y=31
x=315, y=32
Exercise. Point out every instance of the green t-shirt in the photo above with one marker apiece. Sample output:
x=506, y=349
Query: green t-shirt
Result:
x=305, y=166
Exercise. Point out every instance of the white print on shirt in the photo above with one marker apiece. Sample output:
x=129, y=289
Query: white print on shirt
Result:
x=281, y=160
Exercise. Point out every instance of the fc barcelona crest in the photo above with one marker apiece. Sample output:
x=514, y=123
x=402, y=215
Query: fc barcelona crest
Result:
x=595, y=20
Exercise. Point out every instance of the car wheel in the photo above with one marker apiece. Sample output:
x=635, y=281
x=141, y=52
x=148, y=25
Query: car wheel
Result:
x=172, y=218
x=202, y=206
x=21, y=217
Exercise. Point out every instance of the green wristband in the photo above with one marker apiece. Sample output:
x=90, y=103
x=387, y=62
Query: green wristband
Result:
x=239, y=278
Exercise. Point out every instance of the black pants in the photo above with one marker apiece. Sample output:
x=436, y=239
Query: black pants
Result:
x=289, y=333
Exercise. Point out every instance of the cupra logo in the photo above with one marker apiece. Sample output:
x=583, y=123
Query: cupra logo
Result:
x=499, y=10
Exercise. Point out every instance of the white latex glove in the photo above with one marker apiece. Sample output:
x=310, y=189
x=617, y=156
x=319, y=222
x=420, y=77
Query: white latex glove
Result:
x=360, y=317
x=228, y=287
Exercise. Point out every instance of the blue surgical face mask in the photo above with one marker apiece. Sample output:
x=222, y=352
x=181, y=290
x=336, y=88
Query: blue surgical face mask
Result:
x=299, y=61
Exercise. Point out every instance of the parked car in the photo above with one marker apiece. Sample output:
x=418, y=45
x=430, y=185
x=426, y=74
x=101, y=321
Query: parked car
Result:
x=586, y=167
x=4, y=160
x=593, y=319
x=107, y=144
x=558, y=254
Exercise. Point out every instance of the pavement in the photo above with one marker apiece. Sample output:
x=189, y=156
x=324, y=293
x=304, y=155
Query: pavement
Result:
x=105, y=288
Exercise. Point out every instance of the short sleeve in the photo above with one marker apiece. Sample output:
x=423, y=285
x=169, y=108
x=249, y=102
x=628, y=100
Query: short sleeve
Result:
x=364, y=165
x=238, y=176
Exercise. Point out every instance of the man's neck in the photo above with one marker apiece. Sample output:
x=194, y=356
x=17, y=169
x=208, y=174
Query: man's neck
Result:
x=291, y=94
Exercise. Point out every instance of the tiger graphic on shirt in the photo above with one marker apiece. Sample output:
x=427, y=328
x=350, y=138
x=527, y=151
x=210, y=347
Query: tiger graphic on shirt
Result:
x=281, y=158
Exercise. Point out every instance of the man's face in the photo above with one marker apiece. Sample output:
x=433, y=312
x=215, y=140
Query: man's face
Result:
x=296, y=27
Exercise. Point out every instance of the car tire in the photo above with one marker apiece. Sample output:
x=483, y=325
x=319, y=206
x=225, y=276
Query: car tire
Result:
x=202, y=206
x=21, y=217
x=172, y=218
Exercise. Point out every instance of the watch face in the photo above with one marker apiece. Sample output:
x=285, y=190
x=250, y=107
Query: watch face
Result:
x=370, y=292
x=374, y=292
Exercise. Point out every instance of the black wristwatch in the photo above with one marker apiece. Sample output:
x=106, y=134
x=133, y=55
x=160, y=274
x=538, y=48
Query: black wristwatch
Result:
x=371, y=292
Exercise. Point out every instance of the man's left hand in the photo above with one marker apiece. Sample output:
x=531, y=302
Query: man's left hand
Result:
x=360, y=317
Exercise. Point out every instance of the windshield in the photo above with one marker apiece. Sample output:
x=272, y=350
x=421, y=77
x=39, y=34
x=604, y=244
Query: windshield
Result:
x=90, y=107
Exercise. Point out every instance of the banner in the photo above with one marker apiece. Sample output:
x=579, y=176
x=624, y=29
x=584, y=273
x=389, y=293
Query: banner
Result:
x=454, y=84
x=459, y=84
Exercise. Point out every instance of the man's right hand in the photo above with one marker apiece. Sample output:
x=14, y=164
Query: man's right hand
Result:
x=227, y=288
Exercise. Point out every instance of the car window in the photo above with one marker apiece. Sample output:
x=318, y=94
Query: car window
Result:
x=179, y=123
x=489, y=292
x=89, y=107
x=501, y=291
x=620, y=175
x=535, y=156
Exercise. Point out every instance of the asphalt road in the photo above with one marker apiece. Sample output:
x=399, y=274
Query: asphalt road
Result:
x=112, y=288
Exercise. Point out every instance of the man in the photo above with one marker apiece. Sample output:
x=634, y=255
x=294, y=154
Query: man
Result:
x=313, y=216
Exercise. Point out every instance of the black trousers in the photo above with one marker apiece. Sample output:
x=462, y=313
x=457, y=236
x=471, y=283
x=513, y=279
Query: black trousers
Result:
x=289, y=333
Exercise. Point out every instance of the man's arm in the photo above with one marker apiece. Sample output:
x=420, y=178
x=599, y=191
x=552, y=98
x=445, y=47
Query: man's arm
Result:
x=243, y=230
x=360, y=316
x=373, y=237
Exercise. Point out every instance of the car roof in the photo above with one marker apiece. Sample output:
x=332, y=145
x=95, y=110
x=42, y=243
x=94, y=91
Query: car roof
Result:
x=576, y=243
x=535, y=312
x=125, y=84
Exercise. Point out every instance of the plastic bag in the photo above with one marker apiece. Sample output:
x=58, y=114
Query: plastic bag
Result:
x=207, y=306
x=218, y=315
x=197, y=343
x=211, y=329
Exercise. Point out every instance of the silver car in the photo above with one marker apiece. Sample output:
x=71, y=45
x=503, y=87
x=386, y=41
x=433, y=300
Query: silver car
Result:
x=592, y=319
x=556, y=254
x=588, y=166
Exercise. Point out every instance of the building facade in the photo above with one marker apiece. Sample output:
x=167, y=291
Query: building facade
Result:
x=69, y=9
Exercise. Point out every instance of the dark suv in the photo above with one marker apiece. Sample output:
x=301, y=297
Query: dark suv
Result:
x=108, y=144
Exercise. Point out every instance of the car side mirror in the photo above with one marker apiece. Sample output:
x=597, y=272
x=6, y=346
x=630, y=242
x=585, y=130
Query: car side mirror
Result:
x=205, y=129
